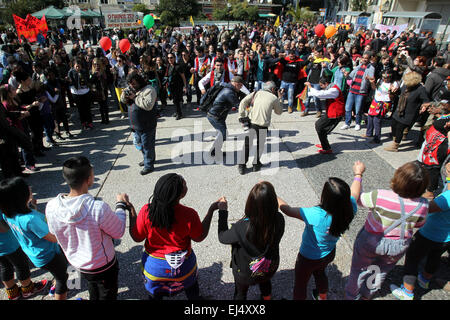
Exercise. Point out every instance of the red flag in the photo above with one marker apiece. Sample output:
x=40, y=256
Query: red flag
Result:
x=30, y=27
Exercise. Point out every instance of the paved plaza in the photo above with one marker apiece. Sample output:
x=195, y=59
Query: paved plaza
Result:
x=296, y=170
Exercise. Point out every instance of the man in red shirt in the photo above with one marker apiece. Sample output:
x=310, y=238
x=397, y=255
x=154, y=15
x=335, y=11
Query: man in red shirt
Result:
x=335, y=111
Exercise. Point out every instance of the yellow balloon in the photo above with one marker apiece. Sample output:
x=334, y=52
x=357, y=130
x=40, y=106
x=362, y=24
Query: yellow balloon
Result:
x=330, y=31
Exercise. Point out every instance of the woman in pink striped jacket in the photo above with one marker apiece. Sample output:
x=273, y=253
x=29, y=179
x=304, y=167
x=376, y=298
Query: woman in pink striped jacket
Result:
x=387, y=232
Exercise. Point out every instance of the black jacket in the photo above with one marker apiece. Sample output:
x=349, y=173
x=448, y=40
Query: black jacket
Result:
x=417, y=96
x=237, y=237
x=224, y=102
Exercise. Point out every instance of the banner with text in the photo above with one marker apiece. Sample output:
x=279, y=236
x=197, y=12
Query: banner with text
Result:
x=400, y=28
x=122, y=20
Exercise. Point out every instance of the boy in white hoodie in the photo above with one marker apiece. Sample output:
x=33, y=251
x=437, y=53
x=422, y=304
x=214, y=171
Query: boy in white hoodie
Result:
x=85, y=229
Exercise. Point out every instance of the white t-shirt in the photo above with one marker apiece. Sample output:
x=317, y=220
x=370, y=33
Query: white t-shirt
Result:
x=382, y=92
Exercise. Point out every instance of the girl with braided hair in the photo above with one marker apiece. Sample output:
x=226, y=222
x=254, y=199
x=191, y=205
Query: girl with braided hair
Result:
x=168, y=227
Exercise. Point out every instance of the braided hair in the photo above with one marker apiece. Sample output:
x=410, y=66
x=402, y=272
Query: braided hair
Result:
x=166, y=194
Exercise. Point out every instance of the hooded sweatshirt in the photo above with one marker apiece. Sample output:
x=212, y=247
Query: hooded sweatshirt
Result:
x=84, y=228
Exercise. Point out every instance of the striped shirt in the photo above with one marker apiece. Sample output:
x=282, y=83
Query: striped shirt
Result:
x=356, y=85
x=384, y=210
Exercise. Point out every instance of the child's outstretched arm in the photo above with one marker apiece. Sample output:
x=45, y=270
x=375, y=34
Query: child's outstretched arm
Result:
x=358, y=170
x=288, y=210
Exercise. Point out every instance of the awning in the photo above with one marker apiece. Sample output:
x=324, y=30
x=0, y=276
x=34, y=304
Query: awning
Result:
x=93, y=13
x=354, y=13
x=49, y=13
x=413, y=15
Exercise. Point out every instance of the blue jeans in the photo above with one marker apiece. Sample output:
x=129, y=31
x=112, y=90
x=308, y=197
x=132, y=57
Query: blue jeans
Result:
x=357, y=101
x=320, y=105
x=147, y=138
x=290, y=92
x=221, y=128
x=258, y=85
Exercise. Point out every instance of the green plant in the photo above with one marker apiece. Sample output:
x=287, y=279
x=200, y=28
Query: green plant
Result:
x=301, y=14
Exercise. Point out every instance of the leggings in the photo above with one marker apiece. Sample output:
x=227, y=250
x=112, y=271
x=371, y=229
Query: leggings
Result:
x=58, y=268
x=420, y=248
x=304, y=268
x=16, y=261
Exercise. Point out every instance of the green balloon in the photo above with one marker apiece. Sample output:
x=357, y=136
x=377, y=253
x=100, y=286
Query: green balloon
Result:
x=148, y=21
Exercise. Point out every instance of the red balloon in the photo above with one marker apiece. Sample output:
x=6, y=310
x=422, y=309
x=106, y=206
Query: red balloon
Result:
x=124, y=45
x=319, y=30
x=105, y=43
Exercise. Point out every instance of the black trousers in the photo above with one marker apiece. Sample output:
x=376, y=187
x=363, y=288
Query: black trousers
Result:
x=241, y=289
x=261, y=135
x=9, y=160
x=103, y=285
x=83, y=103
x=16, y=261
x=420, y=248
x=324, y=126
x=397, y=130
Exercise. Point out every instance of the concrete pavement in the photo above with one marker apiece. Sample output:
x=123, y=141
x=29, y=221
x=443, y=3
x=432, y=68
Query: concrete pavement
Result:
x=298, y=179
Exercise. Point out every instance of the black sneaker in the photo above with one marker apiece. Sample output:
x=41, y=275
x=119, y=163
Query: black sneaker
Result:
x=257, y=167
x=141, y=164
x=241, y=169
x=145, y=171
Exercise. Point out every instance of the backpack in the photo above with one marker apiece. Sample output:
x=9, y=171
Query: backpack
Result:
x=260, y=266
x=208, y=98
x=441, y=90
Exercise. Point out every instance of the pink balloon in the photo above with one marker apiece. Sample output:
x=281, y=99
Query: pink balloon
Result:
x=319, y=30
x=124, y=45
x=105, y=43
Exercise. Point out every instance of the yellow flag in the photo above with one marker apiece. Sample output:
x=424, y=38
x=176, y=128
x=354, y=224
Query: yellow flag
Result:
x=277, y=22
x=191, y=20
x=191, y=81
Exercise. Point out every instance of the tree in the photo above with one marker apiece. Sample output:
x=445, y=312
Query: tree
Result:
x=140, y=7
x=358, y=5
x=301, y=14
x=173, y=11
x=23, y=7
x=238, y=11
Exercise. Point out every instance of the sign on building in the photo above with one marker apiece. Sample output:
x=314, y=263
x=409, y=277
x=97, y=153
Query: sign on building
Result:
x=122, y=20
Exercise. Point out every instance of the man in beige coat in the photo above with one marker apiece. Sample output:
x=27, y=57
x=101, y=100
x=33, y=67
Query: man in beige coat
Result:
x=255, y=110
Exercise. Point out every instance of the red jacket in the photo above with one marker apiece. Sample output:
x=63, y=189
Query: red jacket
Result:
x=336, y=107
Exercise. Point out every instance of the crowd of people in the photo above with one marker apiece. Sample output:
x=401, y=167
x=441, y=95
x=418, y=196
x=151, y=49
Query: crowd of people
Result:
x=364, y=76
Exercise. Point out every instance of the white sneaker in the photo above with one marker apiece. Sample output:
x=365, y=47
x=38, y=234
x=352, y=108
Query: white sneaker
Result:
x=357, y=127
x=345, y=127
x=399, y=293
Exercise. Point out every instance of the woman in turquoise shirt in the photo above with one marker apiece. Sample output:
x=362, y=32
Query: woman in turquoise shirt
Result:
x=31, y=231
x=12, y=258
x=324, y=224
